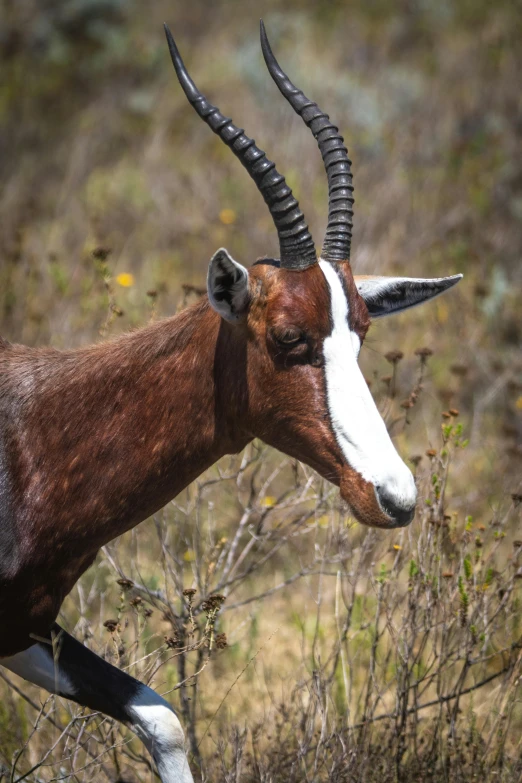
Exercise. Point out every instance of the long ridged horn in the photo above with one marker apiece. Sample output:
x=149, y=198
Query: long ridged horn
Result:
x=338, y=238
x=295, y=242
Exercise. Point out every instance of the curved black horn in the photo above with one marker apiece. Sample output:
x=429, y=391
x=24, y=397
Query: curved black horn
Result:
x=295, y=242
x=338, y=237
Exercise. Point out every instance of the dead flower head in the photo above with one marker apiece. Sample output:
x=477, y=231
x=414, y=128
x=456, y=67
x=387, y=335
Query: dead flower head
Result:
x=221, y=641
x=393, y=357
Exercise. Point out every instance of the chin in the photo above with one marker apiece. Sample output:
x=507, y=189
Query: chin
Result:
x=361, y=498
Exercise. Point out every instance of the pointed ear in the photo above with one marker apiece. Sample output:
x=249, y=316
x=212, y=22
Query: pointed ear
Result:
x=227, y=285
x=386, y=295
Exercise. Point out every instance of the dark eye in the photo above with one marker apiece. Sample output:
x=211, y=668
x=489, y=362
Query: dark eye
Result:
x=289, y=336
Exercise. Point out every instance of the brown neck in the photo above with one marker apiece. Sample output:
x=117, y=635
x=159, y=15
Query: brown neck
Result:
x=119, y=429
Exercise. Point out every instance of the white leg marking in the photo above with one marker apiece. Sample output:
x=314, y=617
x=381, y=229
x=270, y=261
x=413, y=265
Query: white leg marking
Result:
x=358, y=426
x=157, y=725
x=37, y=666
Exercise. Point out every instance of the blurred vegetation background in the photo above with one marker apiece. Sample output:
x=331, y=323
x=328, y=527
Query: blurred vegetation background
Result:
x=114, y=196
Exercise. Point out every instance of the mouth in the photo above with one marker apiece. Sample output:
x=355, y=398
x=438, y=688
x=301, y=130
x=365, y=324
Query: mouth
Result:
x=369, y=507
x=399, y=517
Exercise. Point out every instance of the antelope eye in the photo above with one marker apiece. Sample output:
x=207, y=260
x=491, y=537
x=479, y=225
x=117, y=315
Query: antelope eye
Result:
x=289, y=336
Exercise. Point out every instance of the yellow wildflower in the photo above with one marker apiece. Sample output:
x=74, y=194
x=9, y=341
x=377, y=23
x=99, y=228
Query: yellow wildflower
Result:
x=227, y=216
x=125, y=279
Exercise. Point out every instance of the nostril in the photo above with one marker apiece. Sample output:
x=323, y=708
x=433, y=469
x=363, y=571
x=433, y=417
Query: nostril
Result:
x=402, y=514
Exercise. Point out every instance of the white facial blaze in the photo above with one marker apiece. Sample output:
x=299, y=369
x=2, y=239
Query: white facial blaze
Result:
x=358, y=427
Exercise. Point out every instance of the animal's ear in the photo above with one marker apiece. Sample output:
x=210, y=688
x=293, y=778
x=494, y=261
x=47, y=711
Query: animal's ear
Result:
x=386, y=295
x=227, y=284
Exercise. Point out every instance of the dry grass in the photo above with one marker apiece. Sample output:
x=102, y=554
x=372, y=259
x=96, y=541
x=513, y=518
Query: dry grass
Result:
x=352, y=655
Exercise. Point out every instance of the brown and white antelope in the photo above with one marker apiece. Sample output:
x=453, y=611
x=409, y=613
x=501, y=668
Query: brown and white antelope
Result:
x=93, y=441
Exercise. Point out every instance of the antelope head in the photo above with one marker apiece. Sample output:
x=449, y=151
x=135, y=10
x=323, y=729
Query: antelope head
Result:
x=301, y=320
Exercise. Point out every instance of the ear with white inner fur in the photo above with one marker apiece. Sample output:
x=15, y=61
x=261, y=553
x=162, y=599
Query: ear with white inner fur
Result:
x=386, y=295
x=227, y=284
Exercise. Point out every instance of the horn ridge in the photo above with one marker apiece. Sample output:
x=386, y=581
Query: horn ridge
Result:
x=295, y=241
x=338, y=236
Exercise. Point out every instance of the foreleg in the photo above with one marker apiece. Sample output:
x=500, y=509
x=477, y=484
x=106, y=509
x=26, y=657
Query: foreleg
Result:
x=65, y=667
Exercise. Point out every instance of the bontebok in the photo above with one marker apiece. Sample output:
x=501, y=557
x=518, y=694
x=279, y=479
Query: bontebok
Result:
x=95, y=440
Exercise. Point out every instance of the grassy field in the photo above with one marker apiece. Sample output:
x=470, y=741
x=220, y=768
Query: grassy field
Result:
x=339, y=653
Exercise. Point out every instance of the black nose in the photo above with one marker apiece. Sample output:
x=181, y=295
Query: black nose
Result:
x=401, y=515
